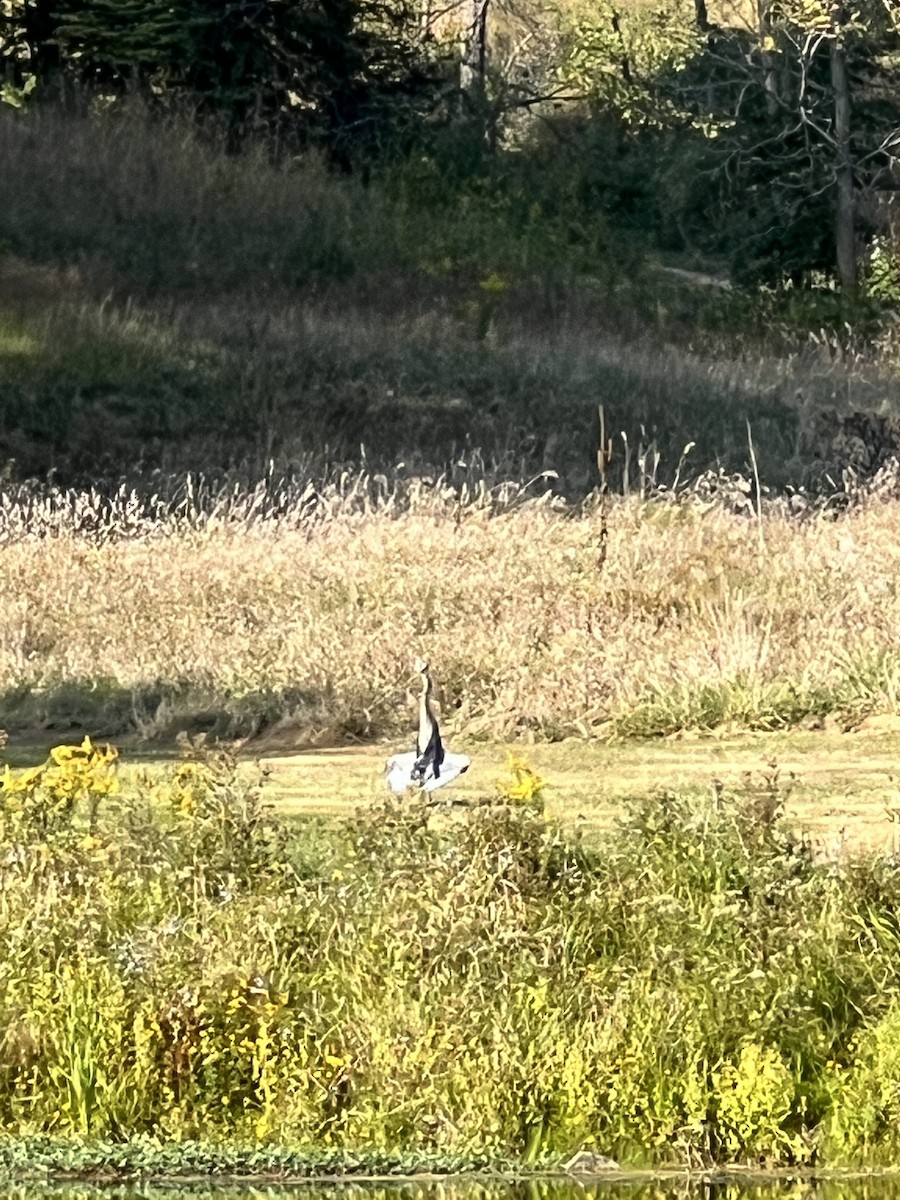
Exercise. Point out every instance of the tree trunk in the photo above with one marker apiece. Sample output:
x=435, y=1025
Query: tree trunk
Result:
x=473, y=65
x=770, y=73
x=625, y=63
x=845, y=199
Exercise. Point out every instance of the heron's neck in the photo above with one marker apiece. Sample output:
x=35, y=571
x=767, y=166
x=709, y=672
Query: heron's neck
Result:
x=426, y=715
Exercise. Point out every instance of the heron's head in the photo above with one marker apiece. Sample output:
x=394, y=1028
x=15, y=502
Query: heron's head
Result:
x=421, y=666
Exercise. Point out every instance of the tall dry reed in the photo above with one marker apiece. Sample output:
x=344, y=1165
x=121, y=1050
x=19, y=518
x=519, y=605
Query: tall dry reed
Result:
x=307, y=605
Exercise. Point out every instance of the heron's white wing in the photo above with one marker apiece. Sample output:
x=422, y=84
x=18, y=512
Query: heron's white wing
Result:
x=452, y=767
x=398, y=772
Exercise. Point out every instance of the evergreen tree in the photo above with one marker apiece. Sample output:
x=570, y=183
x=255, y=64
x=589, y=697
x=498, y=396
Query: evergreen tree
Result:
x=346, y=74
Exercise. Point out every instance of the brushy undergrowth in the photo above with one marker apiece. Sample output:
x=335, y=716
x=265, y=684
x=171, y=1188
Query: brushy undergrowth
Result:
x=204, y=309
x=301, y=606
x=458, y=985
x=216, y=1184
x=155, y=207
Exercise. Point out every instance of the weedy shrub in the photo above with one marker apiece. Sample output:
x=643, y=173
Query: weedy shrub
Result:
x=39, y=803
x=521, y=785
x=154, y=207
x=224, y=836
x=456, y=984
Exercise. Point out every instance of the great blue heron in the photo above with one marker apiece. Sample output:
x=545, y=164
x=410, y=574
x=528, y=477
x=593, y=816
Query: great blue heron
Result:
x=430, y=766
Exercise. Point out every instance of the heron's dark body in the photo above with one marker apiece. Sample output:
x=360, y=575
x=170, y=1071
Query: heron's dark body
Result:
x=432, y=754
x=429, y=747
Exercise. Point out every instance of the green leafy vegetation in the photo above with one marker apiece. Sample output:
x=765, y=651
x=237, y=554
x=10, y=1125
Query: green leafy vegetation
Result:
x=338, y=76
x=456, y=987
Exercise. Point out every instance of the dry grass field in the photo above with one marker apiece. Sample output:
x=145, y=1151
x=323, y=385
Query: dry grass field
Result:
x=646, y=644
x=301, y=615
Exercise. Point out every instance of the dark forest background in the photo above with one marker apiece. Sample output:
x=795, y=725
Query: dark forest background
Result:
x=238, y=232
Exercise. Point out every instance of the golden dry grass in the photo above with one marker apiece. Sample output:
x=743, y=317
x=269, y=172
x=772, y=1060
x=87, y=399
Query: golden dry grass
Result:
x=309, y=621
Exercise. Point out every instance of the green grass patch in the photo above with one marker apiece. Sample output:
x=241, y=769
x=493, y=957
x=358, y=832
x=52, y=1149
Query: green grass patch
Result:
x=146, y=1158
x=743, y=702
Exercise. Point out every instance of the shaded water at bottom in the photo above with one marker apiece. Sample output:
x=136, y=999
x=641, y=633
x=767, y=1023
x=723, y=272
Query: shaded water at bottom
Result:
x=643, y=1187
